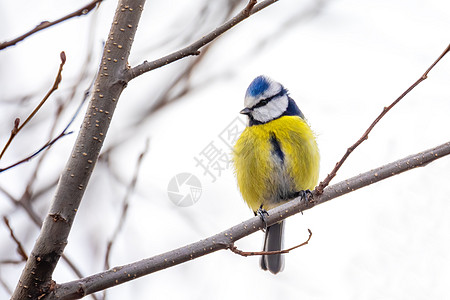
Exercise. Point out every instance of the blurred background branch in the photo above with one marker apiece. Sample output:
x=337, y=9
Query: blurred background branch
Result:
x=46, y=24
x=17, y=126
x=125, y=205
x=20, y=249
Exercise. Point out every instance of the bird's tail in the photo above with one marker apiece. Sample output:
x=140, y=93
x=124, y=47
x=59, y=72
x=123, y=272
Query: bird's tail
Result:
x=273, y=242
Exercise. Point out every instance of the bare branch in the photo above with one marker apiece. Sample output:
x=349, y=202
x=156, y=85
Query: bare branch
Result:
x=61, y=107
x=5, y=286
x=46, y=145
x=193, y=49
x=234, y=249
x=226, y=239
x=11, y=262
x=52, y=89
x=52, y=141
x=365, y=136
x=45, y=24
x=17, y=128
x=125, y=204
x=20, y=249
x=26, y=196
x=26, y=205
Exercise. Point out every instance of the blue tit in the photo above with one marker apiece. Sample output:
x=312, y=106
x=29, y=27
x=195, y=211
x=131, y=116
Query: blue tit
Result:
x=275, y=157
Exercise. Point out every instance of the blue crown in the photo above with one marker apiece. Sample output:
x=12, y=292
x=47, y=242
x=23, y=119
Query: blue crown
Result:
x=258, y=86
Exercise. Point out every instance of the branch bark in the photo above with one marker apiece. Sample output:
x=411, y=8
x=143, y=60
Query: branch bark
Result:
x=36, y=278
x=226, y=239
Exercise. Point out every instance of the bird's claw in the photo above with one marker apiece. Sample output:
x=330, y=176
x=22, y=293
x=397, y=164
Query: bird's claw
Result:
x=306, y=195
x=262, y=213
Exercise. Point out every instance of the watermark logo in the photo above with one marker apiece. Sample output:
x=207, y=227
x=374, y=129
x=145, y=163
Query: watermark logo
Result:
x=184, y=189
x=215, y=157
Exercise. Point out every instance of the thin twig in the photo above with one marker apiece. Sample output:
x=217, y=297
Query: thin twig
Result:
x=45, y=24
x=62, y=134
x=46, y=145
x=16, y=127
x=62, y=106
x=365, y=136
x=234, y=249
x=54, y=87
x=20, y=249
x=193, y=49
x=5, y=286
x=11, y=262
x=38, y=222
x=27, y=194
x=125, y=205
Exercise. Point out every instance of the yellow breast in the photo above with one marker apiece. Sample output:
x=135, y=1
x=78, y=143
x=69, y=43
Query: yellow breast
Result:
x=263, y=177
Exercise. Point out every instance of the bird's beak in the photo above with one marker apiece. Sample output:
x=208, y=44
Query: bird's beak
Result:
x=246, y=111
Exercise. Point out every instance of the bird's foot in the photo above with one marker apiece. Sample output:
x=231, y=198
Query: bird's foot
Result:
x=262, y=213
x=306, y=195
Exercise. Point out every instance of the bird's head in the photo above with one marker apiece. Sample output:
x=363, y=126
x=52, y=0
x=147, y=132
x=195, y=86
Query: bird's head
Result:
x=265, y=100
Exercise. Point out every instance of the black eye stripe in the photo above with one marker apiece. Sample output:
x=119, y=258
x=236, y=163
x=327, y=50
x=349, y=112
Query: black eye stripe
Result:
x=267, y=100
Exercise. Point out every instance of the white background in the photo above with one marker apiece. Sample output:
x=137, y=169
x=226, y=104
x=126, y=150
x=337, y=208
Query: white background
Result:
x=342, y=61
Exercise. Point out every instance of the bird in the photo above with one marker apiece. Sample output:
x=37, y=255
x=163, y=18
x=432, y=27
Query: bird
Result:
x=276, y=158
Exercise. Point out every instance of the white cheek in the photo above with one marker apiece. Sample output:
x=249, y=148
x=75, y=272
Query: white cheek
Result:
x=271, y=110
x=261, y=114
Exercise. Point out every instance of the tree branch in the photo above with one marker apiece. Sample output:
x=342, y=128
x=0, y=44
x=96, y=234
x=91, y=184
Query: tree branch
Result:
x=193, y=49
x=26, y=205
x=45, y=146
x=45, y=24
x=226, y=239
x=36, y=278
x=5, y=286
x=125, y=204
x=234, y=249
x=20, y=249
